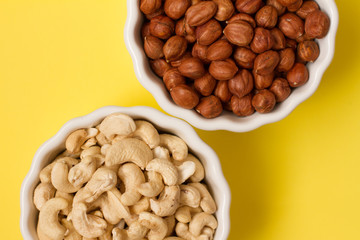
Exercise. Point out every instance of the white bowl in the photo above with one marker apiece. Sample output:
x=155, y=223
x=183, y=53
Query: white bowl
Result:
x=226, y=121
x=51, y=148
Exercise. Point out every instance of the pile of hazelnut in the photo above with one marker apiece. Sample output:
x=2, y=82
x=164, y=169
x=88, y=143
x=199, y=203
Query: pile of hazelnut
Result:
x=239, y=55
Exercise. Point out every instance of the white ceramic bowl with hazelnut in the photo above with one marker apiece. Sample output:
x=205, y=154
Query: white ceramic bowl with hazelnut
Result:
x=227, y=121
x=51, y=148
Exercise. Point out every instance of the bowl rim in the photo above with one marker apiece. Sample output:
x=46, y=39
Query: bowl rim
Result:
x=226, y=121
x=212, y=164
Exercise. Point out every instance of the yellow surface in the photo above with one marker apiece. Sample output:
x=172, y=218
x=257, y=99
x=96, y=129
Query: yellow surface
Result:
x=298, y=179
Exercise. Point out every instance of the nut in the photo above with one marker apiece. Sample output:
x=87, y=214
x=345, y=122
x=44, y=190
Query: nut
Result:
x=209, y=32
x=184, y=96
x=219, y=50
x=317, y=24
x=223, y=70
x=287, y=60
x=287, y=2
x=242, y=106
x=153, y=47
x=209, y=107
x=222, y=91
x=225, y=9
x=149, y=6
x=242, y=83
x=266, y=62
x=263, y=81
x=159, y=66
x=199, y=51
x=177, y=63
x=200, y=13
x=262, y=41
x=174, y=48
x=244, y=57
x=145, y=30
x=173, y=78
x=239, y=33
x=244, y=17
x=307, y=8
x=295, y=6
x=205, y=85
x=162, y=27
x=183, y=29
x=279, y=8
x=264, y=101
x=291, y=25
x=308, y=51
x=267, y=17
x=158, y=12
x=248, y=6
x=192, y=68
x=281, y=89
x=175, y=9
x=298, y=75
x=279, y=41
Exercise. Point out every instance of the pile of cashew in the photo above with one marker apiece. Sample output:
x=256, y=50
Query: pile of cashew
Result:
x=123, y=180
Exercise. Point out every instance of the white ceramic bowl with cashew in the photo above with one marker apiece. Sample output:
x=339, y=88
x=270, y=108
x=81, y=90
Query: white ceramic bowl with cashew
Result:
x=148, y=170
x=227, y=121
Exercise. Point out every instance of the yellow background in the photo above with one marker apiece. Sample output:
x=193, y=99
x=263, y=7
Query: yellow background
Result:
x=298, y=179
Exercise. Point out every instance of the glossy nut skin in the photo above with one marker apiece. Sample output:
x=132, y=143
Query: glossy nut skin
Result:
x=223, y=70
x=145, y=30
x=267, y=17
x=317, y=24
x=263, y=81
x=177, y=62
x=159, y=66
x=162, y=27
x=307, y=8
x=192, y=68
x=308, y=51
x=243, y=17
x=173, y=78
x=287, y=60
x=279, y=8
x=298, y=75
x=266, y=62
x=205, y=85
x=239, y=33
x=174, y=48
x=153, y=47
x=183, y=29
x=262, y=41
x=225, y=9
x=279, y=39
x=244, y=57
x=291, y=25
x=209, y=32
x=150, y=6
x=242, y=106
x=199, y=51
x=281, y=89
x=264, y=101
x=241, y=84
x=287, y=3
x=222, y=91
x=175, y=9
x=158, y=12
x=184, y=96
x=200, y=13
x=219, y=50
x=209, y=107
x=248, y=6
x=295, y=6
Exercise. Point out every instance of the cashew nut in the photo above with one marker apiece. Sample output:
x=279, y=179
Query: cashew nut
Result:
x=157, y=225
x=49, y=225
x=136, y=231
x=66, y=153
x=189, y=196
x=71, y=233
x=101, y=139
x=129, y=150
x=107, y=234
x=200, y=220
x=171, y=224
x=167, y=170
x=68, y=197
x=93, y=152
x=184, y=213
x=89, y=143
x=176, y=146
x=143, y=205
x=117, y=124
x=82, y=172
x=131, y=219
x=77, y=138
x=104, y=149
x=45, y=173
x=199, y=174
x=153, y=187
x=131, y=175
x=161, y=152
x=208, y=232
x=185, y=170
x=182, y=230
x=43, y=193
x=167, y=203
x=207, y=203
x=59, y=178
x=147, y=132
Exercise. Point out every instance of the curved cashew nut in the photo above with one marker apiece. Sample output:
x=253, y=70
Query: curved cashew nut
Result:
x=207, y=202
x=200, y=220
x=167, y=170
x=101, y=139
x=182, y=230
x=82, y=172
x=208, y=232
x=45, y=173
x=136, y=231
x=87, y=225
x=176, y=146
x=153, y=187
x=161, y=152
x=117, y=124
x=157, y=225
x=167, y=203
x=71, y=233
x=199, y=174
x=77, y=138
x=89, y=143
x=93, y=152
x=143, y=205
x=68, y=197
x=171, y=224
x=107, y=234
x=186, y=170
x=43, y=193
x=129, y=150
x=59, y=178
x=189, y=196
x=184, y=213
x=147, y=132
x=48, y=219
x=131, y=175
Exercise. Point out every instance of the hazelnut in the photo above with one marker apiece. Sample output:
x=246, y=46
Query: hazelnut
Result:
x=209, y=32
x=298, y=75
x=266, y=62
x=222, y=91
x=248, y=6
x=266, y=17
x=244, y=57
x=209, y=107
x=243, y=17
x=295, y=6
x=242, y=106
x=199, y=51
x=183, y=29
x=291, y=25
x=200, y=13
x=287, y=60
x=241, y=84
x=162, y=27
x=153, y=47
x=303, y=37
x=177, y=63
x=174, y=48
x=263, y=81
x=205, y=85
x=264, y=101
x=262, y=40
x=184, y=96
x=281, y=89
x=279, y=8
x=308, y=51
x=225, y=9
x=173, y=78
x=192, y=68
x=279, y=39
x=149, y=6
x=145, y=30
x=223, y=70
x=307, y=8
x=220, y=50
x=287, y=2
x=175, y=9
x=159, y=66
x=317, y=24
x=239, y=33
x=158, y=12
